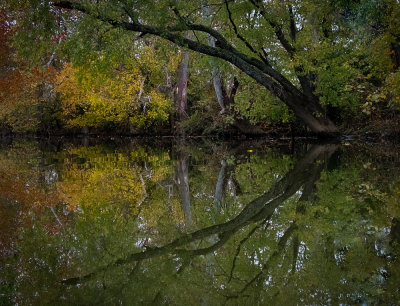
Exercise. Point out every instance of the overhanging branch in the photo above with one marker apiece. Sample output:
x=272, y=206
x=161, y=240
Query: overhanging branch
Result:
x=306, y=109
x=264, y=74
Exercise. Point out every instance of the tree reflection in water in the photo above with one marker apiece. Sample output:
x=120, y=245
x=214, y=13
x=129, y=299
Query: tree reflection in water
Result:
x=255, y=228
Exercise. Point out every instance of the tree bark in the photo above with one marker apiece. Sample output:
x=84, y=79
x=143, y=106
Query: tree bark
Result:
x=180, y=93
x=395, y=46
x=220, y=91
x=218, y=82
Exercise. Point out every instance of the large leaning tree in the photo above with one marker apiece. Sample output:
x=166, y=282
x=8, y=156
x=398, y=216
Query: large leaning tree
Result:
x=272, y=41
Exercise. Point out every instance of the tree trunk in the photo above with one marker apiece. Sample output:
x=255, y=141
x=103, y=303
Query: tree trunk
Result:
x=242, y=124
x=220, y=90
x=395, y=54
x=180, y=94
x=218, y=82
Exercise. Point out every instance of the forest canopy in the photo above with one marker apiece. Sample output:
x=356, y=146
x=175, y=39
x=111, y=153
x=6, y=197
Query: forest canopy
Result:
x=199, y=66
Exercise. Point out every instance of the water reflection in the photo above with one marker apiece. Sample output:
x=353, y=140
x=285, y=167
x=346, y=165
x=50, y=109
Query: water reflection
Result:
x=206, y=223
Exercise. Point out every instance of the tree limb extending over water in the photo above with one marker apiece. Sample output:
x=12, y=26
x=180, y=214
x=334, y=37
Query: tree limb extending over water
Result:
x=307, y=109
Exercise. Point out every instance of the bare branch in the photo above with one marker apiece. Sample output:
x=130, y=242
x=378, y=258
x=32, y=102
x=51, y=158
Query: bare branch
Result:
x=277, y=28
x=281, y=246
x=236, y=30
x=238, y=35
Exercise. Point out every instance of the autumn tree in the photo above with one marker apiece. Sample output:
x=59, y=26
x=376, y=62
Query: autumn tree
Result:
x=266, y=47
x=127, y=96
x=27, y=102
x=320, y=58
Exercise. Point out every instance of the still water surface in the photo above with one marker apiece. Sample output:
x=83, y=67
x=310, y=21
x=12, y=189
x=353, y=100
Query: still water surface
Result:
x=199, y=223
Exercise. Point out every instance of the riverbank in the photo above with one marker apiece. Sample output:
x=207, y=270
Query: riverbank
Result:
x=373, y=130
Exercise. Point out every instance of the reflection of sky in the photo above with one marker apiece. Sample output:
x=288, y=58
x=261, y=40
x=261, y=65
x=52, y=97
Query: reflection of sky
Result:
x=51, y=176
x=301, y=256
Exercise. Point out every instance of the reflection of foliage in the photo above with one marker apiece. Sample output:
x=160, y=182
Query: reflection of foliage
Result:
x=274, y=238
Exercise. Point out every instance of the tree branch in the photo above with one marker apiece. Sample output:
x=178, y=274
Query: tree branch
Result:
x=306, y=109
x=280, y=248
x=242, y=242
x=277, y=28
x=264, y=74
x=293, y=30
x=236, y=30
x=238, y=35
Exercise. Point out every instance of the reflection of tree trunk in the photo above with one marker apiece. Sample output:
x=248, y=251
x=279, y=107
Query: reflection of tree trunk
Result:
x=219, y=189
x=296, y=245
x=395, y=231
x=259, y=209
x=182, y=181
x=218, y=196
x=309, y=187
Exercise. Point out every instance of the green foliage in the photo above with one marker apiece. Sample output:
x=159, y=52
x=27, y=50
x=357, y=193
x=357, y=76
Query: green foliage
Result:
x=334, y=73
x=40, y=28
x=259, y=105
x=112, y=203
x=344, y=54
x=391, y=89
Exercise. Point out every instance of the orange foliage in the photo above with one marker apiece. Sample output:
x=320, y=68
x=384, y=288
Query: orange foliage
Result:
x=17, y=83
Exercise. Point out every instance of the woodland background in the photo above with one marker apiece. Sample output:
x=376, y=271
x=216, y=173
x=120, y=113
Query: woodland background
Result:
x=63, y=71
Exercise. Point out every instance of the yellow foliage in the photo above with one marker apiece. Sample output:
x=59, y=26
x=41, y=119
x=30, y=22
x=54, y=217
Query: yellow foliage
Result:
x=123, y=98
x=71, y=94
